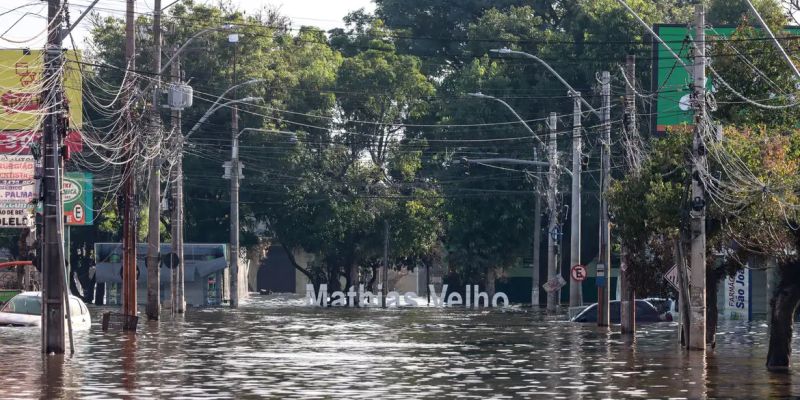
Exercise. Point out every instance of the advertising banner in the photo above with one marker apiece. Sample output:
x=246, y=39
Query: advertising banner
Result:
x=20, y=217
x=20, y=142
x=21, y=73
x=16, y=167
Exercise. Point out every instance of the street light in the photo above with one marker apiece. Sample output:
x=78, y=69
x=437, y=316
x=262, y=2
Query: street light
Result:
x=552, y=164
x=576, y=291
x=572, y=91
x=216, y=106
x=525, y=124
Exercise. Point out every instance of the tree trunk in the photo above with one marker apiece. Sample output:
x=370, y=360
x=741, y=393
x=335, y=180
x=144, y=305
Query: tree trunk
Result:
x=491, y=278
x=353, y=281
x=783, y=304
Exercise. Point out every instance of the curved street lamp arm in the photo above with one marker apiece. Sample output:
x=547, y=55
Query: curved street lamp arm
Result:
x=572, y=91
x=508, y=106
x=213, y=109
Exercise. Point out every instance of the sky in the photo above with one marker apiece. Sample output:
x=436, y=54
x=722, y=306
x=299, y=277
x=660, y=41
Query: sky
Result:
x=30, y=20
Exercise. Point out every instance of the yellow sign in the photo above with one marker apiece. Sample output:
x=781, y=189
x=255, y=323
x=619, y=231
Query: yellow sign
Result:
x=21, y=85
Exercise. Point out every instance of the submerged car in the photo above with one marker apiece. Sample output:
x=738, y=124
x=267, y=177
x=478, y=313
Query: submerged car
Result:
x=667, y=308
x=645, y=312
x=25, y=309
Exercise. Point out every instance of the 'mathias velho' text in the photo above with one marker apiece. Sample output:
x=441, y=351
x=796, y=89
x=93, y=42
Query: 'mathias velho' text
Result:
x=473, y=298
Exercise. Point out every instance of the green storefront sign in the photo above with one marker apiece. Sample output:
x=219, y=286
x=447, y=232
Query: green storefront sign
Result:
x=77, y=194
x=671, y=82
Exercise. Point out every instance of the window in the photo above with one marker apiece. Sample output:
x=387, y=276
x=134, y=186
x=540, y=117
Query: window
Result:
x=30, y=305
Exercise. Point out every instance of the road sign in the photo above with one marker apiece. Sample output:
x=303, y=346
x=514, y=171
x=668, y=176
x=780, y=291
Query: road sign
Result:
x=554, y=284
x=672, y=276
x=578, y=273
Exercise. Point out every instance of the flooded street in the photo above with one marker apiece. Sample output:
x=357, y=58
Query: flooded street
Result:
x=281, y=349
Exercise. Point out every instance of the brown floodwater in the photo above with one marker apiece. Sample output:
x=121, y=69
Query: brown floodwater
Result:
x=275, y=348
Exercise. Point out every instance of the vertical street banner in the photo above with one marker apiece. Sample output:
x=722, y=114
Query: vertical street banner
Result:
x=77, y=191
x=737, y=296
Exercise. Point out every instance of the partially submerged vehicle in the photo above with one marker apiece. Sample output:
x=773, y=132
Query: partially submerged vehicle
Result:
x=25, y=309
x=645, y=312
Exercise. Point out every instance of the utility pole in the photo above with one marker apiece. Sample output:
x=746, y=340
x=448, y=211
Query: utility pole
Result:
x=154, y=184
x=697, y=287
x=385, y=266
x=53, y=274
x=178, y=301
x=537, y=239
x=627, y=294
x=575, y=289
x=552, y=228
x=234, y=246
x=604, y=258
x=129, y=275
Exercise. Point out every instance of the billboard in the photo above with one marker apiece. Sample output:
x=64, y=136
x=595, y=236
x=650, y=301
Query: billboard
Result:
x=671, y=82
x=21, y=74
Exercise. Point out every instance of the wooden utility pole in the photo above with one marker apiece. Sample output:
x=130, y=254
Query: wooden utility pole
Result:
x=697, y=287
x=154, y=184
x=537, y=237
x=129, y=275
x=53, y=274
x=575, y=289
x=177, y=296
x=604, y=258
x=627, y=294
x=552, y=226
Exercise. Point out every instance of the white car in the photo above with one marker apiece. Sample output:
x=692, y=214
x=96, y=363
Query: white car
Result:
x=25, y=309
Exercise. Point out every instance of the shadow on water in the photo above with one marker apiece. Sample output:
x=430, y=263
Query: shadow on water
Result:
x=279, y=349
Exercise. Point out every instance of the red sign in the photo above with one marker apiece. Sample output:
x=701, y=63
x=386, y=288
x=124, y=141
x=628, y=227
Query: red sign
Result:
x=19, y=142
x=578, y=273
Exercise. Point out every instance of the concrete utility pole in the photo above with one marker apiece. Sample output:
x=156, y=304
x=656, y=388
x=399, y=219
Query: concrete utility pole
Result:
x=154, y=185
x=234, y=246
x=604, y=258
x=53, y=273
x=537, y=238
x=129, y=275
x=178, y=300
x=627, y=301
x=385, y=266
x=697, y=287
x=575, y=289
x=552, y=227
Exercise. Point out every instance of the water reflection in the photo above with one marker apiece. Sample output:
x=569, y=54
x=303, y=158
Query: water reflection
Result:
x=277, y=349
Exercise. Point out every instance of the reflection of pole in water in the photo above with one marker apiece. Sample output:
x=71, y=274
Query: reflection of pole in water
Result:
x=697, y=374
x=52, y=384
x=129, y=362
